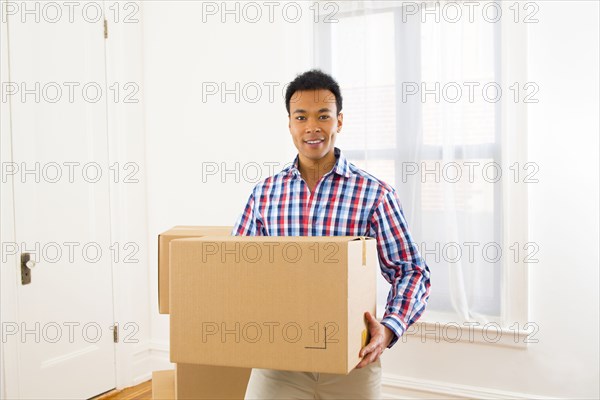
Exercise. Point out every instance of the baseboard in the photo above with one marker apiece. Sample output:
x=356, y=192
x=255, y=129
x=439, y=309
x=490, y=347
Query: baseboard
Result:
x=160, y=349
x=148, y=357
x=398, y=387
x=155, y=356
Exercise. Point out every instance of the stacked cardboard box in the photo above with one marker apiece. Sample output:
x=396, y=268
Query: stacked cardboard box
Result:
x=237, y=303
x=164, y=239
x=193, y=381
x=163, y=385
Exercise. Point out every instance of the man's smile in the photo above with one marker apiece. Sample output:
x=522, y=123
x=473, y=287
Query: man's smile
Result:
x=314, y=142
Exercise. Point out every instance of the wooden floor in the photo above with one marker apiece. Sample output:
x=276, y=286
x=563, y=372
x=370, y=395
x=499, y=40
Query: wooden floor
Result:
x=143, y=391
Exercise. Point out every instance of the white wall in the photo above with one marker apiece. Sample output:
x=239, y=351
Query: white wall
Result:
x=563, y=211
x=182, y=132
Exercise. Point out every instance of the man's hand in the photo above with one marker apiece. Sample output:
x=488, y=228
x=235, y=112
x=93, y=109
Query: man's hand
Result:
x=381, y=337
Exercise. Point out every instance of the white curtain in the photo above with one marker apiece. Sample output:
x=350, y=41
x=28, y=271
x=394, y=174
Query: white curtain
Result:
x=385, y=59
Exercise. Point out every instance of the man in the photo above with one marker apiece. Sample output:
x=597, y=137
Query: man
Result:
x=322, y=194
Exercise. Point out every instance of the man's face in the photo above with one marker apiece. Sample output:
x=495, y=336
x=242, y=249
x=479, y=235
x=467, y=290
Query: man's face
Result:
x=314, y=123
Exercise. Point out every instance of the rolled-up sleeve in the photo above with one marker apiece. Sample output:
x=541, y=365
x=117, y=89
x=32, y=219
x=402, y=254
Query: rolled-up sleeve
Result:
x=401, y=265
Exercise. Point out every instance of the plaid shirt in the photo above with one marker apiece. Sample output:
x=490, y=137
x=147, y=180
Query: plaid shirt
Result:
x=347, y=201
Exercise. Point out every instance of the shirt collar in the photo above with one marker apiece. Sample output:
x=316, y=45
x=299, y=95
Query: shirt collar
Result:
x=341, y=166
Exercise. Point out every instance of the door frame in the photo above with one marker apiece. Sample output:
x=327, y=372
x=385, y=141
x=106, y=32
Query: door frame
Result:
x=9, y=377
x=126, y=144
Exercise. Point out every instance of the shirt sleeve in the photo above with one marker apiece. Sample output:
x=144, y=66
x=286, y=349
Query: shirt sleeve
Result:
x=401, y=265
x=246, y=224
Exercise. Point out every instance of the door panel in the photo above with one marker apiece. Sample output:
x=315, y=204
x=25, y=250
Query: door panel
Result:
x=61, y=195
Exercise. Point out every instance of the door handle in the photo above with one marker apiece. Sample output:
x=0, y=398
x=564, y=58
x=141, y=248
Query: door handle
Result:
x=27, y=265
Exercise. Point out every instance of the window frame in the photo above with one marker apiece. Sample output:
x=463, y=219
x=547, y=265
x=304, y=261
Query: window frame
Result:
x=510, y=146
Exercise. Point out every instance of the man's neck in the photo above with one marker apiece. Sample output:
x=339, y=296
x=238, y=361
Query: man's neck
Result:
x=313, y=170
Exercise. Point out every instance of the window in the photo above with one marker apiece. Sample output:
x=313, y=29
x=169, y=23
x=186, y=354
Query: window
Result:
x=424, y=111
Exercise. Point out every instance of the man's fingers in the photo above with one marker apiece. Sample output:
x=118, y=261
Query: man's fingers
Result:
x=364, y=361
x=363, y=357
x=366, y=350
x=375, y=342
x=371, y=357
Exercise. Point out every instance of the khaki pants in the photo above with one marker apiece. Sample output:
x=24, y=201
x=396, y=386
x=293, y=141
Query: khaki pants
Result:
x=363, y=383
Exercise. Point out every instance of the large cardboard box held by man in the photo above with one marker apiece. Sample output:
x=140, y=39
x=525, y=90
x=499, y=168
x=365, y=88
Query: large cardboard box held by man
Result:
x=164, y=239
x=288, y=303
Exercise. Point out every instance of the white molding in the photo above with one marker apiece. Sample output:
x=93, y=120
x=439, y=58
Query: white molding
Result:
x=147, y=357
x=142, y=378
x=515, y=294
x=128, y=201
x=9, y=271
x=160, y=348
x=141, y=364
x=440, y=327
x=393, y=386
x=398, y=387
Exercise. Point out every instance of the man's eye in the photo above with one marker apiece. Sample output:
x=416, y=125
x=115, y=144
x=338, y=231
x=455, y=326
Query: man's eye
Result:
x=300, y=117
x=324, y=116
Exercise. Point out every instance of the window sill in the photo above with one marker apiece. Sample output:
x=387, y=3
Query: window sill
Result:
x=444, y=328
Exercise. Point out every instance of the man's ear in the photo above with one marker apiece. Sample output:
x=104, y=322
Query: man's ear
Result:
x=340, y=118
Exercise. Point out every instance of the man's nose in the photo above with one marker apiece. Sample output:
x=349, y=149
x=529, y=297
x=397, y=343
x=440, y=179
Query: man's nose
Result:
x=310, y=129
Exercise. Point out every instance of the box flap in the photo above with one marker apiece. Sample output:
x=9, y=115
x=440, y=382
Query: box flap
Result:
x=179, y=231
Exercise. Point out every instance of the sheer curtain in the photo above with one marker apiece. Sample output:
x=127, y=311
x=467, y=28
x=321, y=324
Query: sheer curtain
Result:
x=421, y=112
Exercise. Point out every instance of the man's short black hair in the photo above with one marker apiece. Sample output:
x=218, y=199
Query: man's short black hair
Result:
x=315, y=79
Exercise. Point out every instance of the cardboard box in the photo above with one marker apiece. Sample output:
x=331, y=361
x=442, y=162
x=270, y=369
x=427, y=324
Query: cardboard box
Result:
x=163, y=385
x=164, y=239
x=287, y=303
x=210, y=382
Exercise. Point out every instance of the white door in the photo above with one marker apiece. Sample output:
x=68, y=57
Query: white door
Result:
x=58, y=104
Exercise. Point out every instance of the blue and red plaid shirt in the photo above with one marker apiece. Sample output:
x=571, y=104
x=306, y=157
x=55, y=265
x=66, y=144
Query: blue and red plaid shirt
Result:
x=347, y=201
